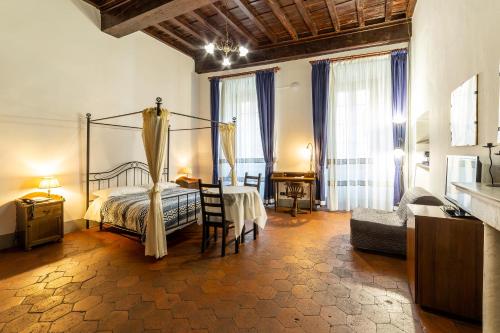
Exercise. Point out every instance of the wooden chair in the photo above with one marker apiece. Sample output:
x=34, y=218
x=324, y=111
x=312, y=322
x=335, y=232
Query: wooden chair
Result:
x=212, y=208
x=252, y=181
x=295, y=190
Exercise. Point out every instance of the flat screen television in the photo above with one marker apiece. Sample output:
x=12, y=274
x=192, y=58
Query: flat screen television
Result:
x=461, y=169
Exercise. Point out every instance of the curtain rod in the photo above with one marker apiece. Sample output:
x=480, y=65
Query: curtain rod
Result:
x=158, y=107
x=359, y=56
x=274, y=69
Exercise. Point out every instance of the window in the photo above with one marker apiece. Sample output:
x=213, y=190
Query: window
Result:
x=360, y=139
x=239, y=99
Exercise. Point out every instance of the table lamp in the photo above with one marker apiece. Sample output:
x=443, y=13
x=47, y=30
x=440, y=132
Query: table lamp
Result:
x=187, y=171
x=48, y=183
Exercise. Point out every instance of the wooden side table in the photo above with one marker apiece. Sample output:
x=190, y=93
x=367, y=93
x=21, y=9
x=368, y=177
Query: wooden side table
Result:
x=39, y=223
x=445, y=261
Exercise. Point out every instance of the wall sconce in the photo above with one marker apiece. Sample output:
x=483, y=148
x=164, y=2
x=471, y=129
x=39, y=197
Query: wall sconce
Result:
x=310, y=149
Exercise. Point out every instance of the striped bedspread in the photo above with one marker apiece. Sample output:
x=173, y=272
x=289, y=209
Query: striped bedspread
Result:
x=130, y=211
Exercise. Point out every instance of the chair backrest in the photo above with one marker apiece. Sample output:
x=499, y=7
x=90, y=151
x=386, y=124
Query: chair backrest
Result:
x=294, y=190
x=212, y=202
x=252, y=181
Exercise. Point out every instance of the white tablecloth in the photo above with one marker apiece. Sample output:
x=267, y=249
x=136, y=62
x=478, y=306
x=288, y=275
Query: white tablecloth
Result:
x=243, y=203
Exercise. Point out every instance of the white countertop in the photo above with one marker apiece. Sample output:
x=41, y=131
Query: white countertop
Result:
x=481, y=190
x=485, y=202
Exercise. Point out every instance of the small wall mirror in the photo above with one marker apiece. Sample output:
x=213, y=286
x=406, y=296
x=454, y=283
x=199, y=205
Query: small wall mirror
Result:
x=463, y=117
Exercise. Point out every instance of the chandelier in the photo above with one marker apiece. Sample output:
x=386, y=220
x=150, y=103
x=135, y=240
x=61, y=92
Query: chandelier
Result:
x=226, y=46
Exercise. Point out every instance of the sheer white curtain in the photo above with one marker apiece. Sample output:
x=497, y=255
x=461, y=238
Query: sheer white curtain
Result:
x=360, y=143
x=239, y=99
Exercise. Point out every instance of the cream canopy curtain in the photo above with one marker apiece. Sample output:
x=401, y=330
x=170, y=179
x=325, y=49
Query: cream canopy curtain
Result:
x=154, y=136
x=228, y=141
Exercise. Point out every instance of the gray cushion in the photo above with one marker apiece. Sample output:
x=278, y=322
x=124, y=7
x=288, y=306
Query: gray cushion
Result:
x=418, y=196
x=384, y=231
x=377, y=216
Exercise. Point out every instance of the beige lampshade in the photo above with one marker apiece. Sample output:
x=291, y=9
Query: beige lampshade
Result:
x=186, y=170
x=48, y=183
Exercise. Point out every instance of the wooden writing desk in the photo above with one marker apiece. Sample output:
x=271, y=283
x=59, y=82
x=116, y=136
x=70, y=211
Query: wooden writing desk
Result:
x=302, y=177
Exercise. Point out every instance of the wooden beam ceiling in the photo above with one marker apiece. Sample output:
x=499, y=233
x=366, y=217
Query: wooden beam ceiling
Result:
x=332, y=10
x=411, y=8
x=388, y=10
x=249, y=12
x=278, y=12
x=306, y=17
x=134, y=16
x=381, y=34
x=203, y=21
x=180, y=39
x=273, y=30
x=360, y=8
x=235, y=24
x=187, y=27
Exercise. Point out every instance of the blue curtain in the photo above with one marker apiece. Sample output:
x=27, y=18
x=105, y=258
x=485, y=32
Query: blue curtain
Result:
x=214, y=115
x=265, y=98
x=320, y=87
x=399, y=68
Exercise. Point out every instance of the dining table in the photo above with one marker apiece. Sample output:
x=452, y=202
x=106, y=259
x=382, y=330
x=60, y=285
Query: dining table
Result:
x=243, y=203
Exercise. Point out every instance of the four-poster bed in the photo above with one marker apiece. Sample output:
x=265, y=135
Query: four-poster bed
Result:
x=181, y=207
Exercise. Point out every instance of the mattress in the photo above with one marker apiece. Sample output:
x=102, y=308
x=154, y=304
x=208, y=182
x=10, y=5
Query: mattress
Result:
x=180, y=207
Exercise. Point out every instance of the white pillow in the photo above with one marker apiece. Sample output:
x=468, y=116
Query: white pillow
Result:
x=117, y=191
x=163, y=186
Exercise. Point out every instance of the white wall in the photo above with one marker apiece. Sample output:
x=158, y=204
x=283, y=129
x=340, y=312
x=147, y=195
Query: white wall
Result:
x=453, y=40
x=293, y=123
x=55, y=66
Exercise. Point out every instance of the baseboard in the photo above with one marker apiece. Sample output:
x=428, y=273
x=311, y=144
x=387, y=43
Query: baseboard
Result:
x=7, y=241
x=74, y=225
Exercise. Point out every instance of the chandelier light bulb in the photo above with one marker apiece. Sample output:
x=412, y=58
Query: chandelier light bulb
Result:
x=243, y=51
x=226, y=62
x=210, y=48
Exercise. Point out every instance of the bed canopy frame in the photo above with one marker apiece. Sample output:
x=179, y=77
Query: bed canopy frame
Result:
x=139, y=170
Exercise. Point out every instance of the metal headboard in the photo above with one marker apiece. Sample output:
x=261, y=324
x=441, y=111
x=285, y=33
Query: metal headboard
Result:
x=133, y=173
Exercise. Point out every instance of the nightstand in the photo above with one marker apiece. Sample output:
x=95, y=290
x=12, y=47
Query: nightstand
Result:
x=186, y=182
x=39, y=222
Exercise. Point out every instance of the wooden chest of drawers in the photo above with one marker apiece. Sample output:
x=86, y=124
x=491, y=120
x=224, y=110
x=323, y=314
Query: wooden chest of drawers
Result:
x=39, y=223
x=445, y=261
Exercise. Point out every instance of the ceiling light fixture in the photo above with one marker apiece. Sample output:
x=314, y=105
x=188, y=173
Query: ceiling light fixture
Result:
x=226, y=46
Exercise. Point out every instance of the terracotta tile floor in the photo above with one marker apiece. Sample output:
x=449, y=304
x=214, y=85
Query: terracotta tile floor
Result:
x=301, y=275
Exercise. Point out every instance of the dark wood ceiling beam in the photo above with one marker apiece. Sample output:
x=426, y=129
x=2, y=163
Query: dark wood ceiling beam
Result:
x=234, y=23
x=306, y=17
x=388, y=10
x=411, y=8
x=281, y=16
x=132, y=16
x=208, y=25
x=192, y=31
x=373, y=35
x=360, y=10
x=334, y=16
x=246, y=8
x=172, y=34
x=156, y=33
